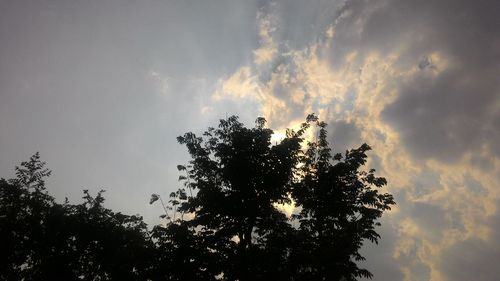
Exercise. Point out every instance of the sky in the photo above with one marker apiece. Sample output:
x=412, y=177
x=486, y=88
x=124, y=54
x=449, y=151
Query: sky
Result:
x=102, y=89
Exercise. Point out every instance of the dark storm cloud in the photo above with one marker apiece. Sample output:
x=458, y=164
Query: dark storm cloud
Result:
x=304, y=22
x=343, y=136
x=381, y=261
x=443, y=117
x=472, y=259
x=426, y=182
x=443, y=71
x=475, y=259
x=438, y=116
x=430, y=217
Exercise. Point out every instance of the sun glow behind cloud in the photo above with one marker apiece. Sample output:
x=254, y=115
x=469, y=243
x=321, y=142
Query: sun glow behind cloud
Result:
x=357, y=88
x=103, y=89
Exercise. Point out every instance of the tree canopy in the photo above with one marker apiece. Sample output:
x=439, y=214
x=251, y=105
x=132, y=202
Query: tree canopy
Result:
x=224, y=223
x=237, y=177
x=44, y=240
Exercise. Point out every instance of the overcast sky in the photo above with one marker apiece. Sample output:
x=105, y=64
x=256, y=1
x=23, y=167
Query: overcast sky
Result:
x=102, y=88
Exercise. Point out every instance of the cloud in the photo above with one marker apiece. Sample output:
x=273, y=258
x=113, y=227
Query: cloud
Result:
x=460, y=95
x=242, y=84
x=268, y=48
x=99, y=88
x=418, y=82
x=343, y=135
x=474, y=258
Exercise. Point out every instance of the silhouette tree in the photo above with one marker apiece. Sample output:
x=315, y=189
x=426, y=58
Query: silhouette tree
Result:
x=24, y=206
x=44, y=240
x=238, y=177
x=224, y=224
x=339, y=204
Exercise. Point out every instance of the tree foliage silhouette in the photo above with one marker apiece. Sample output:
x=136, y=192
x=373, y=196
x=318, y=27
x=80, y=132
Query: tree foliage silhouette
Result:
x=44, y=240
x=223, y=224
x=339, y=204
x=239, y=176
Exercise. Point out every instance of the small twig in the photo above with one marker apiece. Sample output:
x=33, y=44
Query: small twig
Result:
x=164, y=208
x=189, y=184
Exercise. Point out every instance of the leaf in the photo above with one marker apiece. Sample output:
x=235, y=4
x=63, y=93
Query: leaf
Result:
x=154, y=198
x=181, y=167
x=182, y=195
